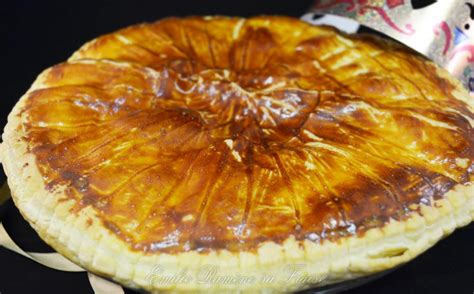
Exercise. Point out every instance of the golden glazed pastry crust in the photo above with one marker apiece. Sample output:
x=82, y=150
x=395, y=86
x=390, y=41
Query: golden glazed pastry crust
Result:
x=250, y=147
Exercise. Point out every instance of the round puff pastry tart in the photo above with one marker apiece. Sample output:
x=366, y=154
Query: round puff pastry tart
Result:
x=224, y=154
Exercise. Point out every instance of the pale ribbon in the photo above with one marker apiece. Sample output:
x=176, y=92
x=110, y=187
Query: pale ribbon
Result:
x=54, y=260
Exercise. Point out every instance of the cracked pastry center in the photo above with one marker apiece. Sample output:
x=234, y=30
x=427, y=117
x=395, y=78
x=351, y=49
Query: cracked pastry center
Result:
x=200, y=134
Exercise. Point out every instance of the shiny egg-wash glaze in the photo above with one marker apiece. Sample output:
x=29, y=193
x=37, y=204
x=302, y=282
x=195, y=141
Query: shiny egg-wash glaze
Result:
x=222, y=133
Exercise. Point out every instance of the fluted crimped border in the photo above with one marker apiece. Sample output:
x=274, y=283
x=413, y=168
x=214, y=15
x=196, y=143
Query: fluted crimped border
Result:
x=92, y=246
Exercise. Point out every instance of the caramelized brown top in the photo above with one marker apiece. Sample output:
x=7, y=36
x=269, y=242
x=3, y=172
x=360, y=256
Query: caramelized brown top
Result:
x=213, y=133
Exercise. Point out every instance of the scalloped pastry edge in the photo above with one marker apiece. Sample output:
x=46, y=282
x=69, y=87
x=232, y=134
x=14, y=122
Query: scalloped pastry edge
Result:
x=84, y=240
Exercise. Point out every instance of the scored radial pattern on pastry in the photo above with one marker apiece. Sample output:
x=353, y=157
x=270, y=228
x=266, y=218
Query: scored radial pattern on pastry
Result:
x=247, y=143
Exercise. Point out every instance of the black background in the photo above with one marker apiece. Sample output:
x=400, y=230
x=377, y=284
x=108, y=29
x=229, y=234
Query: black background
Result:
x=37, y=34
